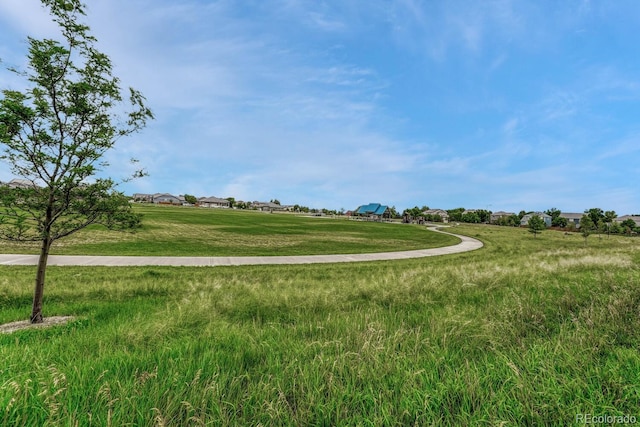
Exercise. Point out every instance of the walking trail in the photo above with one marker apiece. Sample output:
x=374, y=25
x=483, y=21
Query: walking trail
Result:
x=467, y=244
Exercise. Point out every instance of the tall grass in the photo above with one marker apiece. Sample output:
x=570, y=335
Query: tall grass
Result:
x=524, y=332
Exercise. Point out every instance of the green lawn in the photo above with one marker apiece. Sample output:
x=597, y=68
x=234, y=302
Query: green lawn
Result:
x=188, y=231
x=527, y=331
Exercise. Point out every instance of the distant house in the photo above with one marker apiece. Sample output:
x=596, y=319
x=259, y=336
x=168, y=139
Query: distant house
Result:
x=213, y=202
x=267, y=206
x=373, y=211
x=165, y=199
x=143, y=197
x=21, y=183
x=546, y=218
x=572, y=218
x=440, y=212
x=497, y=216
x=634, y=218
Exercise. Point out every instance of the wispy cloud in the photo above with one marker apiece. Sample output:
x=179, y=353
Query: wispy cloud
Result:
x=407, y=102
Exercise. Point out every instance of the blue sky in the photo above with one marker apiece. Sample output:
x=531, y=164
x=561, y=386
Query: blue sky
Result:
x=506, y=105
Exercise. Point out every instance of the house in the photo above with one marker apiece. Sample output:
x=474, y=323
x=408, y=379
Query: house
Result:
x=165, y=199
x=572, y=218
x=143, y=198
x=431, y=213
x=497, y=216
x=267, y=206
x=213, y=202
x=373, y=211
x=21, y=183
x=546, y=218
x=634, y=218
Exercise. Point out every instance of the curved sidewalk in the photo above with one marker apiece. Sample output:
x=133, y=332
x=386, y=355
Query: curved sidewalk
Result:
x=466, y=244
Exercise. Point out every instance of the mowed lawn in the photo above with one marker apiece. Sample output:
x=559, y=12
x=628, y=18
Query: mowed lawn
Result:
x=190, y=231
x=524, y=332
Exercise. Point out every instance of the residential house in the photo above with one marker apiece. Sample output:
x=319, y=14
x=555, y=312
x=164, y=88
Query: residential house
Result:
x=267, y=206
x=634, y=218
x=213, y=202
x=546, y=218
x=373, y=211
x=440, y=212
x=496, y=216
x=572, y=218
x=165, y=199
x=21, y=183
x=143, y=198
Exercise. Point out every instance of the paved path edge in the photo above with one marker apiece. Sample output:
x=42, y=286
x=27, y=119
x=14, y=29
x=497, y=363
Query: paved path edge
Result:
x=466, y=244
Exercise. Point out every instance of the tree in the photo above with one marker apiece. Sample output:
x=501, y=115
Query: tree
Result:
x=455, y=214
x=191, y=199
x=615, y=228
x=536, y=225
x=628, y=225
x=55, y=134
x=553, y=212
x=596, y=214
x=586, y=226
x=609, y=218
x=556, y=219
x=471, y=217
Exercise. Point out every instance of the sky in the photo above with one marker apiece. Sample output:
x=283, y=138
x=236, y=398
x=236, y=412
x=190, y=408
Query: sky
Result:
x=496, y=104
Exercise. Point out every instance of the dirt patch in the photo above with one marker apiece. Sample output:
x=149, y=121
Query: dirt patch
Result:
x=8, y=328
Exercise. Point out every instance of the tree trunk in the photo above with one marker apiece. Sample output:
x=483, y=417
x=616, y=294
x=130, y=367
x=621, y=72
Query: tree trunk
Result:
x=38, y=294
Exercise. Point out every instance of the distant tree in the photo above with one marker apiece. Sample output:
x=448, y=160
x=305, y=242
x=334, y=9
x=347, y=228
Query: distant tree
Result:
x=275, y=201
x=484, y=215
x=596, y=214
x=413, y=212
x=514, y=220
x=556, y=219
x=536, y=225
x=510, y=221
x=192, y=200
x=455, y=214
x=521, y=214
x=610, y=216
x=628, y=226
x=553, y=212
x=586, y=226
x=55, y=134
x=471, y=217
x=232, y=201
x=559, y=222
x=601, y=227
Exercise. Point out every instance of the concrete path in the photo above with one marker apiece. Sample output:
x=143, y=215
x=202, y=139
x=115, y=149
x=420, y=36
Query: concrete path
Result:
x=466, y=244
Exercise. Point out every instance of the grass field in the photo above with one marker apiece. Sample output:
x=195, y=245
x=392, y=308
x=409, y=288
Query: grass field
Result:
x=188, y=231
x=526, y=331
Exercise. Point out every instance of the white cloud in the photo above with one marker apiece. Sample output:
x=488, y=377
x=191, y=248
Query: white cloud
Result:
x=332, y=104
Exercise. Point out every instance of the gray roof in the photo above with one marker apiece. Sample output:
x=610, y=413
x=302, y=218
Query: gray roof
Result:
x=212, y=199
x=440, y=212
x=570, y=215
